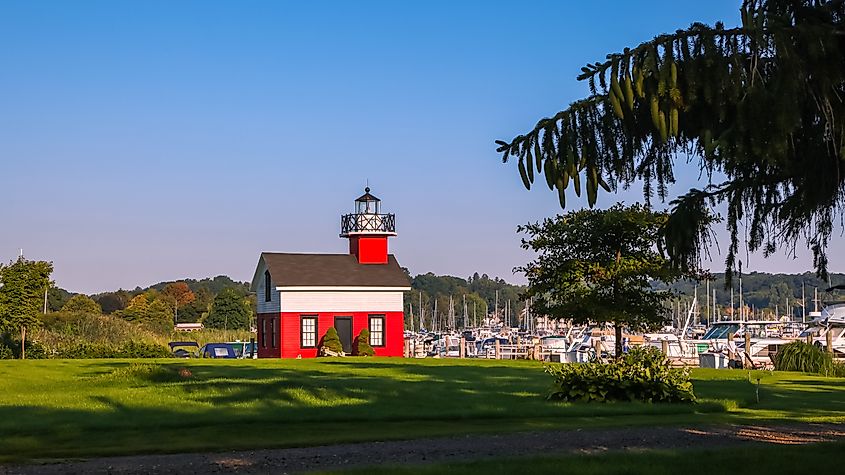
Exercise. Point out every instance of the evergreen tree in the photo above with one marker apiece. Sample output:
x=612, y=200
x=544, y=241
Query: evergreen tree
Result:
x=362, y=344
x=331, y=341
x=762, y=104
x=229, y=311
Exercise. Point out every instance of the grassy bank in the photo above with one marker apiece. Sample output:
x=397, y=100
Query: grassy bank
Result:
x=63, y=408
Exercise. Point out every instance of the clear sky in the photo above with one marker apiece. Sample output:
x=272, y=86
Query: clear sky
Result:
x=155, y=140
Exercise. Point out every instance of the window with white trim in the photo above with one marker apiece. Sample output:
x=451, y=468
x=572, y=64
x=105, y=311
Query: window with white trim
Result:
x=275, y=331
x=308, y=332
x=376, y=330
x=268, y=287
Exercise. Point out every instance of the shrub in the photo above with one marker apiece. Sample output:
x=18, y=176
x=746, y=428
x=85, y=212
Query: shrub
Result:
x=10, y=348
x=331, y=341
x=126, y=350
x=362, y=344
x=138, y=349
x=807, y=358
x=643, y=374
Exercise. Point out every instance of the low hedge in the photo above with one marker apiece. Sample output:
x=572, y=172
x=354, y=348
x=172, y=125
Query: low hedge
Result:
x=130, y=349
x=643, y=374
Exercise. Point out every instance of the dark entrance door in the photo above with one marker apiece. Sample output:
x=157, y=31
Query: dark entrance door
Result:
x=343, y=325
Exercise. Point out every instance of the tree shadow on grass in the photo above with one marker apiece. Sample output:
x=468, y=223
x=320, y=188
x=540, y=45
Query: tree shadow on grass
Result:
x=229, y=404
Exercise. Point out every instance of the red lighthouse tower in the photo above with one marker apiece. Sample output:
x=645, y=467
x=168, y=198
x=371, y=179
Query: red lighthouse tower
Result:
x=368, y=230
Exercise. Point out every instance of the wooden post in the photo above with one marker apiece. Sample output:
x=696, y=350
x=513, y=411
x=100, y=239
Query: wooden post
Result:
x=23, y=342
x=497, y=348
x=463, y=348
x=664, y=346
x=748, y=345
x=828, y=338
x=809, y=338
x=407, y=349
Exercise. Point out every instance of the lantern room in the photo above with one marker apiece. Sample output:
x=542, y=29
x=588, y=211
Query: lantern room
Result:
x=367, y=230
x=367, y=203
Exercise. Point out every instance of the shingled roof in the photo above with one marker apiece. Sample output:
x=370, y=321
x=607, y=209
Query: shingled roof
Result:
x=331, y=270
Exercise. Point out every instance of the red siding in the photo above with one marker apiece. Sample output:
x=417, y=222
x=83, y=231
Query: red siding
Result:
x=290, y=337
x=369, y=249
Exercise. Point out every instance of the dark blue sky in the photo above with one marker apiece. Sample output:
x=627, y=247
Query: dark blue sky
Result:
x=154, y=140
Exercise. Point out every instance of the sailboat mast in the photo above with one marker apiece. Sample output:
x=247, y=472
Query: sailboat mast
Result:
x=496, y=308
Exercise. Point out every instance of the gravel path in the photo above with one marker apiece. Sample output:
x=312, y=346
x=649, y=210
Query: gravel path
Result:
x=442, y=449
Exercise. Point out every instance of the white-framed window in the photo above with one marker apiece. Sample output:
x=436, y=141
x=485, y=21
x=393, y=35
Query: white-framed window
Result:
x=376, y=330
x=308, y=331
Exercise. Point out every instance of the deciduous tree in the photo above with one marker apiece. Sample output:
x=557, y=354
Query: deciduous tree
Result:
x=81, y=303
x=179, y=292
x=595, y=266
x=24, y=283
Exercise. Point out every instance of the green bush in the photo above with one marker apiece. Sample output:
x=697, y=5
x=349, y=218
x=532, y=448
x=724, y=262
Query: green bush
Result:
x=12, y=346
x=331, y=341
x=129, y=349
x=641, y=375
x=807, y=358
x=362, y=344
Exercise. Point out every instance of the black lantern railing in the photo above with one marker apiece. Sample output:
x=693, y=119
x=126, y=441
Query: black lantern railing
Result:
x=367, y=223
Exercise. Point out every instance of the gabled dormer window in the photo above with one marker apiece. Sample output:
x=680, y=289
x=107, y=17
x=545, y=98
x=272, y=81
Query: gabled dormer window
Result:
x=268, y=287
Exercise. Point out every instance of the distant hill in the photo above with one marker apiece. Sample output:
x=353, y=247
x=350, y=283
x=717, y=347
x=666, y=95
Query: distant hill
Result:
x=479, y=292
x=212, y=285
x=761, y=291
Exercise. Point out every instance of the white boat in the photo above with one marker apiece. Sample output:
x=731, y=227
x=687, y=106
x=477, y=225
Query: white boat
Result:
x=830, y=321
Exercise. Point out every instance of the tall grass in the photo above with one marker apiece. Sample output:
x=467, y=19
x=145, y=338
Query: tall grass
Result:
x=807, y=358
x=78, y=334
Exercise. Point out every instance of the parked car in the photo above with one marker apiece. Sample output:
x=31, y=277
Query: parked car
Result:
x=245, y=349
x=217, y=350
x=183, y=349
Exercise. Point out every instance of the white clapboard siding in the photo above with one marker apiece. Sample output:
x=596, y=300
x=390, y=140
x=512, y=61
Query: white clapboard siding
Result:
x=342, y=301
x=261, y=306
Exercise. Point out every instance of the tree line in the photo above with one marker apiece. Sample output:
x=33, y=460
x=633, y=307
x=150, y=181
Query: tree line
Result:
x=438, y=301
x=30, y=301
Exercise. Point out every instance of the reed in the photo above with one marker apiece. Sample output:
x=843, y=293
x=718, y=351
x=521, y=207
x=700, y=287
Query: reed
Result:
x=807, y=358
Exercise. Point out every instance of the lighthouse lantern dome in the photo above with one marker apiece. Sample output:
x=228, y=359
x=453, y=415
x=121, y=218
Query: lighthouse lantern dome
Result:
x=367, y=203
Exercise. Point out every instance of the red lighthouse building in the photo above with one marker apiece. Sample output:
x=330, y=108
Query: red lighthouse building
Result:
x=299, y=296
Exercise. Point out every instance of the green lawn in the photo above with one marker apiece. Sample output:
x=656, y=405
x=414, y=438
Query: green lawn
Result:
x=818, y=458
x=70, y=408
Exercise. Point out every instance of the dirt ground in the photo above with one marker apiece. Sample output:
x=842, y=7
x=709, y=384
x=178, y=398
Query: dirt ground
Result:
x=463, y=448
